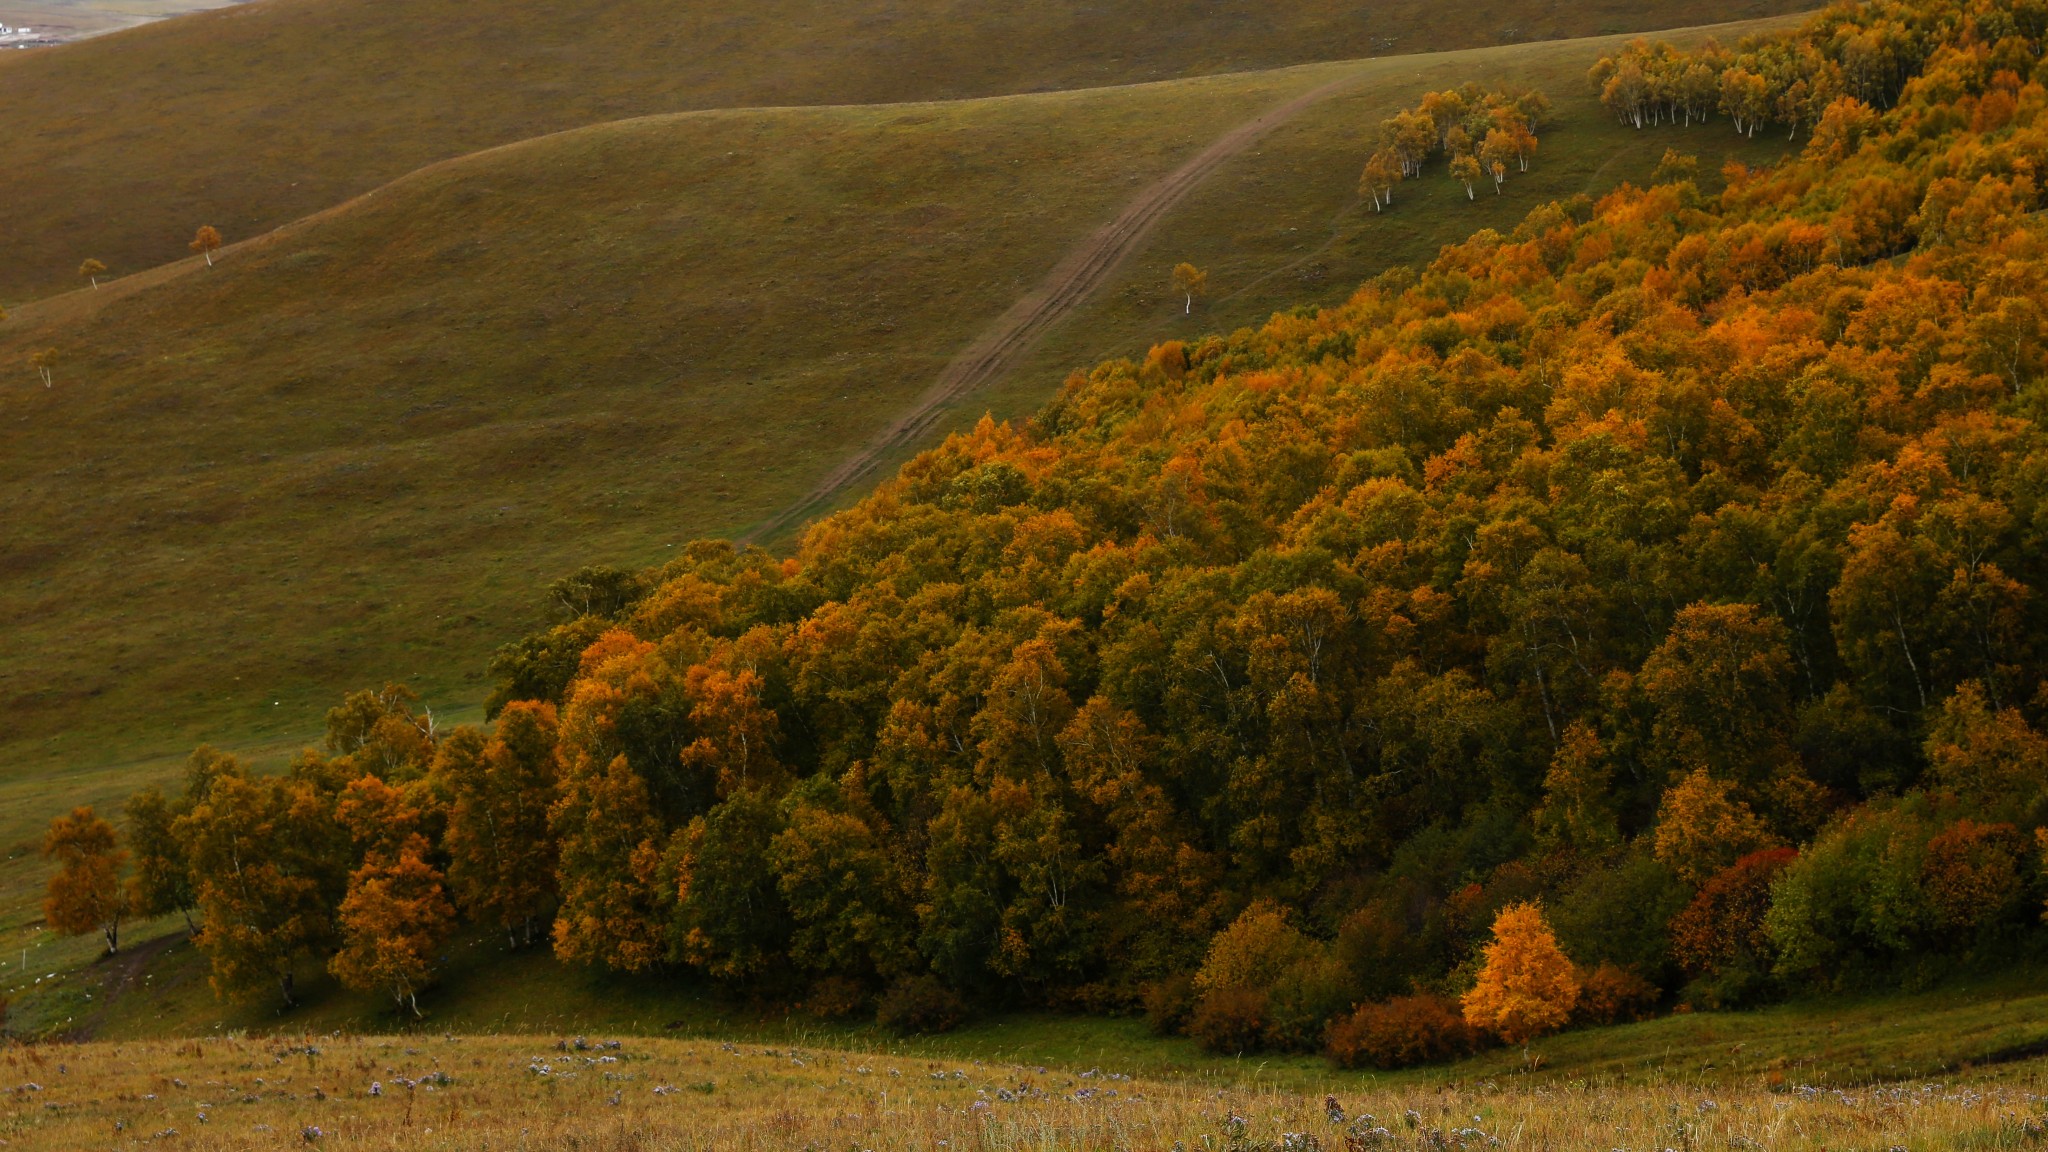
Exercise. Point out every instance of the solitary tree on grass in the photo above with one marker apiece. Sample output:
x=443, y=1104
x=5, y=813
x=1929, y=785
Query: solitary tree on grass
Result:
x=206, y=242
x=1191, y=282
x=85, y=895
x=1528, y=986
x=42, y=362
x=92, y=270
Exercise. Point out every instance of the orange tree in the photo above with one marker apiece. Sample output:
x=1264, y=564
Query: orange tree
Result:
x=86, y=893
x=1527, y=986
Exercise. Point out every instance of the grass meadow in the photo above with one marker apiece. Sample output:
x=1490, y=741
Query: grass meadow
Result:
x=357, y=449
x=252, y=116
x=603, y=1094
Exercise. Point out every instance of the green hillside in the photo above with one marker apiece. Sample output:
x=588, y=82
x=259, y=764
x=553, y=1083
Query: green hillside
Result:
x=251, y=116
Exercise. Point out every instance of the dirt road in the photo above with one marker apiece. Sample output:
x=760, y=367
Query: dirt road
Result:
x=1079, y=273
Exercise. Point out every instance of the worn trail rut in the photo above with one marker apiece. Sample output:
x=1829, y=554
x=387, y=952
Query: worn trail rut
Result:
x=1082, y=270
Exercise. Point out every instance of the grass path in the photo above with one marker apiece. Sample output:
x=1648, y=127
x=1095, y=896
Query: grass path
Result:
x=1077, y=276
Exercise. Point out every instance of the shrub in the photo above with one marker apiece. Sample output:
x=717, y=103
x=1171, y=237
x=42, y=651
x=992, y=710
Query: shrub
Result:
x=1302, y=1000
x=1723, y=926
x=1169, y=1003
x=1379, y=952
x=1614, y=995
x=1971, y=873
x=1852, y=897
x=1617, y=915
x=920, y=1004
x=1230, y=1020
x=1253, y=952
x=1400, y=1032
x=837, y=998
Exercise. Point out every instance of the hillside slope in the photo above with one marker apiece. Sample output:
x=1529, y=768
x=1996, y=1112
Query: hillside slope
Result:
x=247, y=117
x=359, y=448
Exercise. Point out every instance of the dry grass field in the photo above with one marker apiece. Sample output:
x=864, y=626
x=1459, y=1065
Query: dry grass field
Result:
x=459, y=1092
x=251, y=116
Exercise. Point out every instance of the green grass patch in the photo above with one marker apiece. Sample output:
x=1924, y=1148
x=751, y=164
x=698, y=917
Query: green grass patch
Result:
x=1974, y=1023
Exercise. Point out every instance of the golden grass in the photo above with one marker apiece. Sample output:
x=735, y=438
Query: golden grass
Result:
x=454, y=1092
x=254, y=115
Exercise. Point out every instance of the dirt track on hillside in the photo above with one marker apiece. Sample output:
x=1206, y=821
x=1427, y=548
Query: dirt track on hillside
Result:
x=1082, y=270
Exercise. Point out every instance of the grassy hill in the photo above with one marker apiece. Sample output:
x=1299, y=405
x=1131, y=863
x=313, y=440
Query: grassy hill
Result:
x=358, y=448
x=251, y=116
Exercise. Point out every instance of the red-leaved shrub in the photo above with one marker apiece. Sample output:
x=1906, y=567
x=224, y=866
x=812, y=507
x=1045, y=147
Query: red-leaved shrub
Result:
x=1230, y=1020
x=1396, y=1033
x=1611, y=994
x=1724, y=924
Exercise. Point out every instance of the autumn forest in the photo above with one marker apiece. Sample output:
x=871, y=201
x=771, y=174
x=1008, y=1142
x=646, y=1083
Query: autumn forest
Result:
x=1636, y=611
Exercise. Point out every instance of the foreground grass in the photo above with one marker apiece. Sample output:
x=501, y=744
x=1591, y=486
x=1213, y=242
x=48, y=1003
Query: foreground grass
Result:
x=255, y=115
x=542, y=1092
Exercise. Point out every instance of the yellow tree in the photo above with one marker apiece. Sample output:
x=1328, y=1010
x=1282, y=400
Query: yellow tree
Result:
x=1191, y=282
x=85, y=895
x=610, y=854
x=1465, y=170
x=1702, y=828
x=206, y=242
x=394, y=922
x=1528, y=986
x=91, y=270
x=1494, y=154
x=1382, y=172
x=42, y=362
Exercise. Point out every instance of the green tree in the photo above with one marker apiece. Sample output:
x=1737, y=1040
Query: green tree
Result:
x=845, y=894
x=501, y=856
x=272, y=865
x=730, y=916
x=162, y=883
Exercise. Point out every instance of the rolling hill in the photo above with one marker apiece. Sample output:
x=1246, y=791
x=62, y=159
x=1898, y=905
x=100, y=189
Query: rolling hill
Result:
x=357, y=448
x=248, y=117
